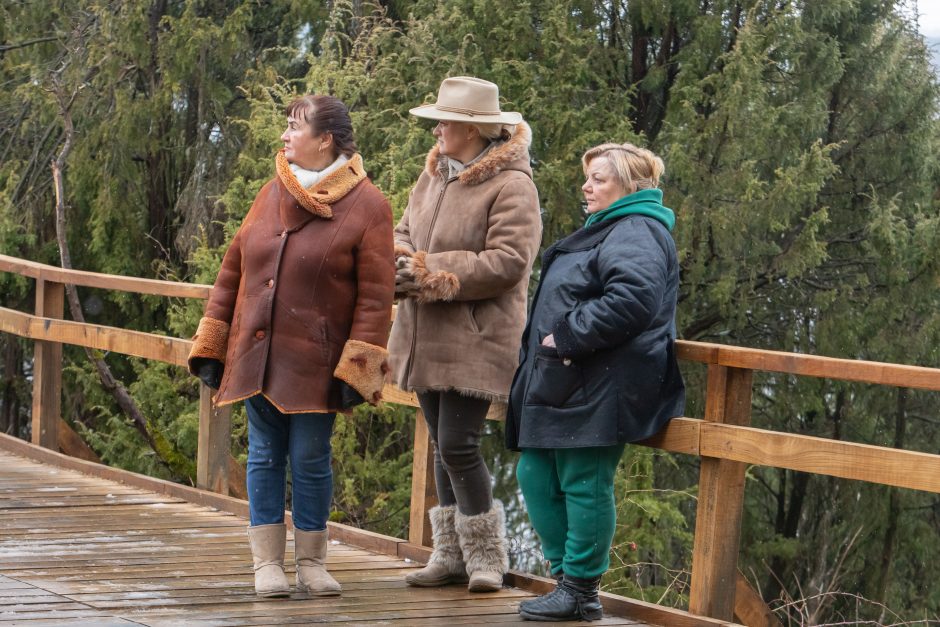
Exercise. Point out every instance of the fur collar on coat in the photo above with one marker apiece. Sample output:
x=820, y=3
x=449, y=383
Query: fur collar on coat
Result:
x=499, y=158
x=319, y=197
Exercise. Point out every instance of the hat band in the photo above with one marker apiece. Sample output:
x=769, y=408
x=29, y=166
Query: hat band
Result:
x=470, y=112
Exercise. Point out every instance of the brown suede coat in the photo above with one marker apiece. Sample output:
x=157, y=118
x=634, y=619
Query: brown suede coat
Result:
x=304, y=294
x=471, y=241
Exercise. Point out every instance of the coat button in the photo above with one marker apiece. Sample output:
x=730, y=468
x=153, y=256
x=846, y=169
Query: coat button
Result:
x=283, y=234
x=259, y=335
x=270, y=282
x=566, y=361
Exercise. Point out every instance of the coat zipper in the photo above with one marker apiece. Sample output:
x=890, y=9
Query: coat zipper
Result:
x=427, y=244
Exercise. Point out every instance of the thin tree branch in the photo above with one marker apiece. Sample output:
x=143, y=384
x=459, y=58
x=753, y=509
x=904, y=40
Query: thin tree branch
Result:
x=28, y=42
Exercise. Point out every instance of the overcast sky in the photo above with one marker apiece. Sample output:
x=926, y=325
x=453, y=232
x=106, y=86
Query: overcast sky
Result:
x=929, y=17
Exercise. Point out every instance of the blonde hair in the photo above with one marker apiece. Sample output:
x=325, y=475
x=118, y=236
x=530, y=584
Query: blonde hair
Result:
x=494, y=130
x=632, y=166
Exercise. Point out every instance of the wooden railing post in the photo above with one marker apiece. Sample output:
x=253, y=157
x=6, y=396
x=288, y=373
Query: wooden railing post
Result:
x=423, y=492
x=47, y=369
x=215, y=443
x=720, y=500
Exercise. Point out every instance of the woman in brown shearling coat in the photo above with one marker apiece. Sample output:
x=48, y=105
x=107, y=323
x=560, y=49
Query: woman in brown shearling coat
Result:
x=465, y=247
x=298, y=322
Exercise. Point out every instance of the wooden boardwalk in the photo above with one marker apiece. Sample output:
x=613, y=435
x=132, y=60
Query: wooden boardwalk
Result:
x=80, y=550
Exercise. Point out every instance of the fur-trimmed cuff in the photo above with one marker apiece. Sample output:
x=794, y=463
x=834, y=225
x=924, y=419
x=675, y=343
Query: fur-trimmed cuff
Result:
x=434, y=286
x=363, y=366
x=209, y=342
x=403, y=251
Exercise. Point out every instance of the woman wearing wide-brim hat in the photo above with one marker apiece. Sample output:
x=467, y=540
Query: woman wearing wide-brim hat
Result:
x=464, y=250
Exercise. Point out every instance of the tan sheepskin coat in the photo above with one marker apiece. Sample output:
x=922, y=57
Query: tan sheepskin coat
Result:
x=471, y=241
x=304, y=294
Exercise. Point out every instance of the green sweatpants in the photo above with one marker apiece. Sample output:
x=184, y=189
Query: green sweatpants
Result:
x=569, y=494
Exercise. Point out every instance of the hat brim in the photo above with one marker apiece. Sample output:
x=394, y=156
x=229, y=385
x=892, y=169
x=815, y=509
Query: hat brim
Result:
x=431, y=112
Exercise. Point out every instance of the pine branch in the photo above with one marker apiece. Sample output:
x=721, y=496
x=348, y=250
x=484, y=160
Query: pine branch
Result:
x=29, y=42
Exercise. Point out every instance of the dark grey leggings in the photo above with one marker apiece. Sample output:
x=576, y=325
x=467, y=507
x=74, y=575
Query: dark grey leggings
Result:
x=455, y=422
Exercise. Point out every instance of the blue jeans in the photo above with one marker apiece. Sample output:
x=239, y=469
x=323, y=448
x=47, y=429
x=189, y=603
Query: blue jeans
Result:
x=274, y=437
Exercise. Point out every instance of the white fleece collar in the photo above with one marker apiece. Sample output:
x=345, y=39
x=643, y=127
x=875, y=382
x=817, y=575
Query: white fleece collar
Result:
x=309, y=178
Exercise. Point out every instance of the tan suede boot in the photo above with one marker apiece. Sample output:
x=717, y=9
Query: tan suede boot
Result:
x=310, y=553
x=446, y=562
x=483, y=542
x=267, y=551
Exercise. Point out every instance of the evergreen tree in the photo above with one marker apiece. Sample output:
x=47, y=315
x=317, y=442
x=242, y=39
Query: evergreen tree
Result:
x=800, y=141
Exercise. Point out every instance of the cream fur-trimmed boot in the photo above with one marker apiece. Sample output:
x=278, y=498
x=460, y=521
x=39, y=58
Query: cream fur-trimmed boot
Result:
x=310, y=554
x=267, y=551
x=483, y=542
x=446, y=564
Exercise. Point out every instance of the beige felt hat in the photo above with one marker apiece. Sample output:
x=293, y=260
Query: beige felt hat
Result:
x=467, y=99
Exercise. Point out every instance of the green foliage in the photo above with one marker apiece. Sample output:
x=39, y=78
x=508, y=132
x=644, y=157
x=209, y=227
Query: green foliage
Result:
x=652, y=535
x=800, y=141
x=373, y=452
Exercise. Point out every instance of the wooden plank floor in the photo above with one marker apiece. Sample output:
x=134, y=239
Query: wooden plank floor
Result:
x=78, y=550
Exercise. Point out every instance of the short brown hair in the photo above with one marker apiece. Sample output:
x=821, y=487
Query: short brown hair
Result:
x=630, y=164
x=326, y=114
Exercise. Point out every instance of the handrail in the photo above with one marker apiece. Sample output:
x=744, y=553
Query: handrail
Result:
x=163, y=348
x=724, y=439
x=703, y=352
x=858, y=370
x=133, y=285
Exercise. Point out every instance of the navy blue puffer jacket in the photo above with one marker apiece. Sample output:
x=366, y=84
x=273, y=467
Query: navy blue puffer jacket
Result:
x=608, y=294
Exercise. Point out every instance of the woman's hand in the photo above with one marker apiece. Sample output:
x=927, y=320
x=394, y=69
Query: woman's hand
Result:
x=210, y=371
x=405, y=282
x=549, y=340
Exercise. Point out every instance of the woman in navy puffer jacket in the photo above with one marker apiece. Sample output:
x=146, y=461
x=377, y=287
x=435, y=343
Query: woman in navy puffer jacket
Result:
x=597, y=370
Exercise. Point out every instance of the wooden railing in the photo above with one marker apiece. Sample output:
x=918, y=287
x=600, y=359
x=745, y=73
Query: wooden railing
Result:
x=724, y=439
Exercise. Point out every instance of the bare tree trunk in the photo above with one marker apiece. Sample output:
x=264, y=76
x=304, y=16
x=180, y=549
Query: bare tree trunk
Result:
x=112, y=385
x=164, y=450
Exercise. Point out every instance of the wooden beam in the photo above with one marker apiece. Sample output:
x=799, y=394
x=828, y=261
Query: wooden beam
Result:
x=237, y=479
x=391, y=394
x=47, y=329
x=822, y=456
x=621, y=606
x=423, y=492
x=702, y=352
x=72, y=444
x=720, y=501
x=749, y=607
x=43, y=272
x=810, y=365
x=830, y=367
x=680, y=435
x=215, y=443
x=47, y=368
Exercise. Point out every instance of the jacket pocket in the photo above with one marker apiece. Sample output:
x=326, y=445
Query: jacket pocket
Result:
x=471, y=314
x=321, y=339
x=555, y=382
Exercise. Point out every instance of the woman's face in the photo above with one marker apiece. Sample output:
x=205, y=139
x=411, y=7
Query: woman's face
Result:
x=303, y=148
x=601, y=188
x=455, y=139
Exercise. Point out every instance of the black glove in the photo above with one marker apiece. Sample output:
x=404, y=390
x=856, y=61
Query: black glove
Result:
x=349, y=397
x=210, y=371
